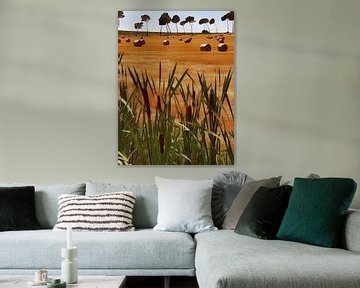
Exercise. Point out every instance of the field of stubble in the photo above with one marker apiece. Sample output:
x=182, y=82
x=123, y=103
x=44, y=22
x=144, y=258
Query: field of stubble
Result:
x=185, y=55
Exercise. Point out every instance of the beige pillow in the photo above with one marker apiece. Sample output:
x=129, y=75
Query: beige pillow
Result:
x=243, y=198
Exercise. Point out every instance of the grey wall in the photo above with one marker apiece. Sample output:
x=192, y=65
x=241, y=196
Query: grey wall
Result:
x=297, y=103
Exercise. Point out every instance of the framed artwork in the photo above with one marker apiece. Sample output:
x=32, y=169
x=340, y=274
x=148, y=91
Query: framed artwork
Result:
x=176, y=87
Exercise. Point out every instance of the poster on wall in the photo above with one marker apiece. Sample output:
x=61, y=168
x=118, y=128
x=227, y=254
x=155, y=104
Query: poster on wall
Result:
x=176, y=87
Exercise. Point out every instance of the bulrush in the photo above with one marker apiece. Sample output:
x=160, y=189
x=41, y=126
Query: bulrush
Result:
x=145, y=95
x=189, y=114
x=161, y=143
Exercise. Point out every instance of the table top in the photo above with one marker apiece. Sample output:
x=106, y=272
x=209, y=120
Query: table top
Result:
x=84, y=281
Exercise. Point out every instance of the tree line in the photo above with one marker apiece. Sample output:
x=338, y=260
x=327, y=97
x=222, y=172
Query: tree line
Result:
x=165, y=19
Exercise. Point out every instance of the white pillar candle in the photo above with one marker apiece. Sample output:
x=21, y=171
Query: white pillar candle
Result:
x=69, y=237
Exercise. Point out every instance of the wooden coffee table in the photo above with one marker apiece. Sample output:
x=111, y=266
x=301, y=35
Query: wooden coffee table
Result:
x=84, y=281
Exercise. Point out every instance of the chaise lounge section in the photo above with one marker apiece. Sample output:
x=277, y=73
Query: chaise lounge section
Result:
x=225, y=259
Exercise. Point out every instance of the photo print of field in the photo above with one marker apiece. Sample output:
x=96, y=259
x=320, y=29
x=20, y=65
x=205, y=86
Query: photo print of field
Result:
x=176, y=87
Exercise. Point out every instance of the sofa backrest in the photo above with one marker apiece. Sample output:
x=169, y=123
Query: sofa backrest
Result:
x=146, y=203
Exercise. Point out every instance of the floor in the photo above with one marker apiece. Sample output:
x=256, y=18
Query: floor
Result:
x=158, y=282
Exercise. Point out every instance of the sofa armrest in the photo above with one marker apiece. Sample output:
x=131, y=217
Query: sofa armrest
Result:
x=351, y=233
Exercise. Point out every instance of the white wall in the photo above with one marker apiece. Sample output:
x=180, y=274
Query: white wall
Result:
x=297, y=86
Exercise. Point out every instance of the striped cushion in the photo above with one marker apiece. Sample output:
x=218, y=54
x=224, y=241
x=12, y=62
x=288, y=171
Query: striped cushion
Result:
x=105, y=212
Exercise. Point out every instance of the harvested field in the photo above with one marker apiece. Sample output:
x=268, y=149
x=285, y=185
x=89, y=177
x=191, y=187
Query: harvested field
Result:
x=185, y=55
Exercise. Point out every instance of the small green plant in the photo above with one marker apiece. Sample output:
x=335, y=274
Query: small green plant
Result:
x=177, y=120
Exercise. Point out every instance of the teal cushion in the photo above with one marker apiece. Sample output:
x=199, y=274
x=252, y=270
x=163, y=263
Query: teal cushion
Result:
x=316, y=211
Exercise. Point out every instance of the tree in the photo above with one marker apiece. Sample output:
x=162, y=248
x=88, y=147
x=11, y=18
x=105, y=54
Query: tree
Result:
x=204, y=21
x=228, y=17
x=165, y=19
x=182, y=23
x=212, y=22
x=138, y=25
x=175, y=19
x=191, y=21
x=231, y=17
x=120, y=16
x=223, y=18
x=145, y=18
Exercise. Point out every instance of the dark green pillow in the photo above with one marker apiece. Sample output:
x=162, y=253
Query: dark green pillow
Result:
x=17, y=208
x=316, y=211
x=263, y=214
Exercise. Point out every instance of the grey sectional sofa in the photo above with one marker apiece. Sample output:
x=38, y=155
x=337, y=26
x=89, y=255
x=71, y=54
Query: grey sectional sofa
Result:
x=219, y=259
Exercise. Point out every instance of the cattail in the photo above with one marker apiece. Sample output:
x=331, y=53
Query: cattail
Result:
x=189, y=114
x=212, y=103
x=146, y=101
x=161, y=143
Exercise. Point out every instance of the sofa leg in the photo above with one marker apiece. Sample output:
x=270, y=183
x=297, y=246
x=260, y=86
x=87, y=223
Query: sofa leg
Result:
x=167, y=282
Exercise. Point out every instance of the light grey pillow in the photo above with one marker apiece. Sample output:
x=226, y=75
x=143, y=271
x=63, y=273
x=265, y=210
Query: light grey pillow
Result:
x=184, y=205
x=146, y=204
x=46, y=200
x=243, y=198
x=226, y=187
x=310, y=176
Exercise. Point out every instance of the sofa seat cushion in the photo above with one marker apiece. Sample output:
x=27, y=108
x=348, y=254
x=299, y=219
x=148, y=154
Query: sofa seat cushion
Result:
x=225, y=259
x=141, y=249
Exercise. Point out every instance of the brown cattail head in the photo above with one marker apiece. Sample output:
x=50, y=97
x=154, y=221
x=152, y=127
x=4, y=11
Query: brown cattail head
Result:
x=212, y=99
x=146, y=101
x=212, y=103
x=189, y=114
x=161, y=143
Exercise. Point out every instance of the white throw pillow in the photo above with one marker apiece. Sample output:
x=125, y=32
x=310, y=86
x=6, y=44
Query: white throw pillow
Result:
x=184, y=205
x=104, y=212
